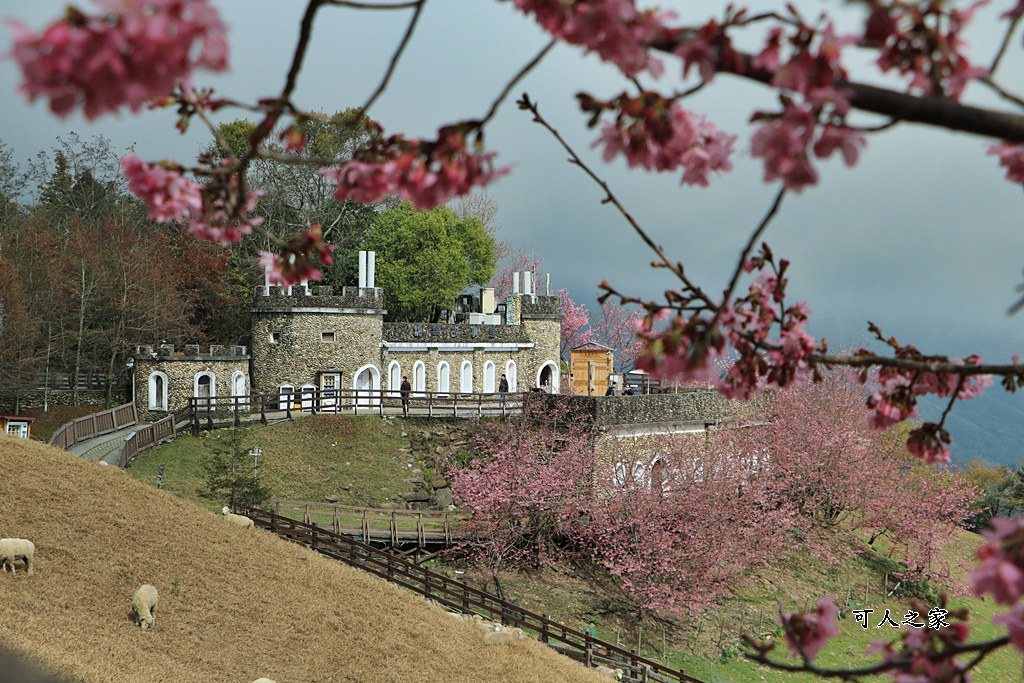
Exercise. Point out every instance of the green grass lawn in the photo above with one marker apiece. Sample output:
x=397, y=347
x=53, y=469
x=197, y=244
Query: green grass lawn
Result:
x=359, y=459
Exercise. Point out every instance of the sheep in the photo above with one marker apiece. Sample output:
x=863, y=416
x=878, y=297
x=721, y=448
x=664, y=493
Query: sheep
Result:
x=615, y=674
x=12, y=549
x=144, y=605
x=263, y=680
x=240, y=520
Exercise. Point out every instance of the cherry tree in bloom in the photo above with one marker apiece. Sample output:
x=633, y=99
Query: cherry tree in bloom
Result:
x=126, y=53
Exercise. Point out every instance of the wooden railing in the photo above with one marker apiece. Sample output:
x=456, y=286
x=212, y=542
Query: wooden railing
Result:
x=153, y=435
x=375, y=524
x=207, y=409
x=466, y=599
x=96, y=424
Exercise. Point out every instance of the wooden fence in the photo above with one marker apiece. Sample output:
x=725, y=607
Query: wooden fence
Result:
x=153, y=435
x=96, y=424
x=206, y=410
x=411, y=529
x=462, y=597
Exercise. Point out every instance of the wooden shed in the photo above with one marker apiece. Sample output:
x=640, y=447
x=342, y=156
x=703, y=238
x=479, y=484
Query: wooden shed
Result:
x=19, y=426
x=590, y=365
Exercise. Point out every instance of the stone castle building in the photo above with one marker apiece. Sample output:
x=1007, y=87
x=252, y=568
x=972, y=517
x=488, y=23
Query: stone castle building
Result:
x=309, y=338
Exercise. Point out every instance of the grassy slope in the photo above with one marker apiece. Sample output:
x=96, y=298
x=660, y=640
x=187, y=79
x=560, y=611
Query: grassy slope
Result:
x=362, y=460
x=301, y=456
x=235, y=604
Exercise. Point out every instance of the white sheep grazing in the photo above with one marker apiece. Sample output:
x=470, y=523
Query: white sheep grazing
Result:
x=13, y=549
x=263, y=680
x=240, y=520
x=144, y=603
x=615, y=674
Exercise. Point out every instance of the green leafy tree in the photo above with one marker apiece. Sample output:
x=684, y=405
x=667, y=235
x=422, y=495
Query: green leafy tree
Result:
x=426, y=258
x=230, y=475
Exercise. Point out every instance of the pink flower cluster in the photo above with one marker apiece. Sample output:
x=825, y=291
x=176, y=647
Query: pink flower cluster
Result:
x=690, y=348
x=927, y=653
x=168, y=195
x=424, y=172
x=659, y=135
x=897, y=390
x=614, y=29
x=923, y=40
x=786, y=140
x=1001, y=574
x=1011, y=157
x=210, y=209
x=297, y=261
x=137, y=50
x=808, y=632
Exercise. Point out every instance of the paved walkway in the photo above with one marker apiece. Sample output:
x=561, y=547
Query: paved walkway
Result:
x=106, y=447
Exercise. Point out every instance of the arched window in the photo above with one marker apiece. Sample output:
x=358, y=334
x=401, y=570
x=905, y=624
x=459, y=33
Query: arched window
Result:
x=443, y=377
x=419, y=377
x=466, y=378
x=489, y=387
x=205, y=390
x=394, y=377
x=510, y=375
x=158, y=391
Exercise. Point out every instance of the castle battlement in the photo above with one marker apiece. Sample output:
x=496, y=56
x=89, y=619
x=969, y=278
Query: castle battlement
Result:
x=318, y=296
x=191, y=352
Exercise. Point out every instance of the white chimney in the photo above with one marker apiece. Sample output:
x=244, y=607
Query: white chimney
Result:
x=362, y=269
x=266, y=283
x=515, y=283
x=527, y=283
x=371, y=268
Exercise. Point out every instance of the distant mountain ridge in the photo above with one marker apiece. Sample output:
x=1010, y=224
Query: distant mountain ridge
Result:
x=990, y=427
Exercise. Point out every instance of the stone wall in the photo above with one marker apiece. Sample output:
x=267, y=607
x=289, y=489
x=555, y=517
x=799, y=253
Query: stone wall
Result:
x=694, y=406
x=320, y=296
x=181, y=371
x=299, y=351
x=37, y=398
x=438, y=333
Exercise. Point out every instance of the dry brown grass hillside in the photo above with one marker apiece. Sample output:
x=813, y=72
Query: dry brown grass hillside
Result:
x=235, y=604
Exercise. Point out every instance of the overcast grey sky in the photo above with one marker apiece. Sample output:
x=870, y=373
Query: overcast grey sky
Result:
x=923, y=236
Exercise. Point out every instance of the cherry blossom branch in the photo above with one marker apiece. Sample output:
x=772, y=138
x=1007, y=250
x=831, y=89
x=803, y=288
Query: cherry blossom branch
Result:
x=305, y=32
x=941, y=112
x=676, y=268
x=1002, y=47
x=999, y=90
x=372, y=5
x=396, y=56
x=933, y=366
x=515, y=79
x=755, y=237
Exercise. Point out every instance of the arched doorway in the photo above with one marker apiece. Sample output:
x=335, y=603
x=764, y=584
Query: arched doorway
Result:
x=443, y=377
x=510, y=375
x=419, y=378
x=205, y=390
x=547, y=377
x=466, y=378
x=366, y=382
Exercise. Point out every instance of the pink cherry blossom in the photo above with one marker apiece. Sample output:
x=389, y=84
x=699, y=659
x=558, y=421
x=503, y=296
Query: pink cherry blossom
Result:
x=1014, y=623
x=840, y=138
x=659, y=135
x=1000, y=571
x=168, y=195
x=782, y=142
x=1011, y=157
x=297, y=261
x=809, y=632
x=614, y=29
x=427, y=173
x=137, y=50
